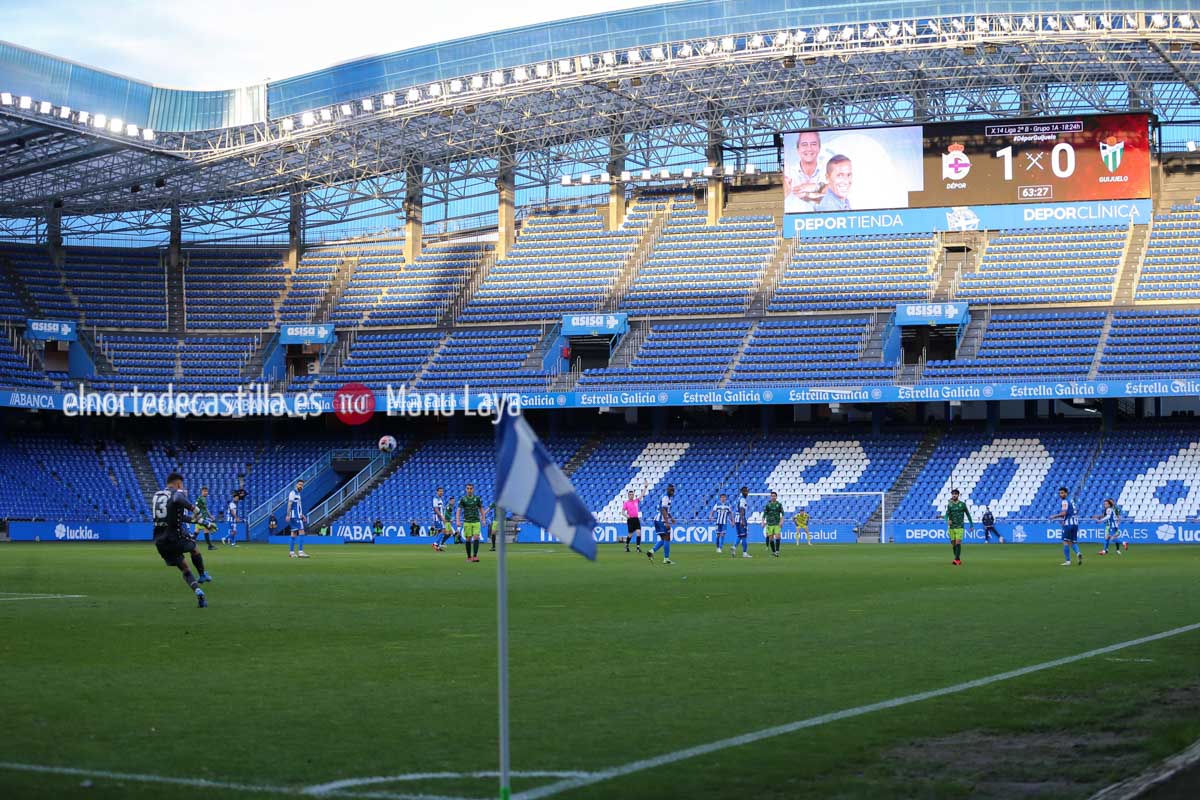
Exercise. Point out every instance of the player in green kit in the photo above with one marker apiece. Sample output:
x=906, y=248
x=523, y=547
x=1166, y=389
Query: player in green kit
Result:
x=773, y=524
x=494, y=531
x=956, y=510
x=470, y=518
x=203, y=520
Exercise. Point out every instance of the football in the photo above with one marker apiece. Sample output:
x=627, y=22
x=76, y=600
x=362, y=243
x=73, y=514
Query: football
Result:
x=387, y=444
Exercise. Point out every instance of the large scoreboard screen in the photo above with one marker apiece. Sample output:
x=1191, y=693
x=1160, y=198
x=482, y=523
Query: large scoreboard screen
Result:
x=964, y=166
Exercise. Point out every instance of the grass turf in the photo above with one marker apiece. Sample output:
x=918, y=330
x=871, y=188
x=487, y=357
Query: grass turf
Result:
x=378, y=661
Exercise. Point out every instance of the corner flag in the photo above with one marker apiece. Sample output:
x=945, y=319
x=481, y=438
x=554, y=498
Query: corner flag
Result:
x=529, y=483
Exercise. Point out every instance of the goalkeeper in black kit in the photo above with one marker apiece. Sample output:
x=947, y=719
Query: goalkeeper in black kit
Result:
x=170, y=507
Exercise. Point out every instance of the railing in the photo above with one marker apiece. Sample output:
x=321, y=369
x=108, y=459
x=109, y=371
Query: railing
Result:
x=331, y=504
x=279, y=498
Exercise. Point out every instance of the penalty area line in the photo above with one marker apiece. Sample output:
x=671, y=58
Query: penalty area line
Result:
x=12, y=596
x=836, y=716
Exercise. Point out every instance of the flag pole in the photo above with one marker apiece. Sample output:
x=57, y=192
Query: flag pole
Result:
x=502, y=649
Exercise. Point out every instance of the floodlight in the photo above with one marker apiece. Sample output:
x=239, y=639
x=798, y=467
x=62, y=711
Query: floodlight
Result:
x=456, y=86
x=822, y=35
x=1191, y=147
x=64, y=112
x=520, y=74
x=871, y=32
x=609, y=59
x=542, y=70
x=910, y=29
x=434, y=90
x=25, y=103
x=308, y=118
x=346, y=109
x=800, y=36
x=564, y=66
x=116, y=125
x=45, y=107
x=634, y=56
x=847, y=33
x=565, y=180
x=100, y=121
x=6, y=98
x=626, y=176
x=287, y=123
x=1052, y=23
x=1184, y=20
x=782, y=38
x=1080, y=22
x=131, y=130
x=476, y=82
x=688, y=174
x=982, y=25
x=368, y=104
x=389, y=99
x=709, y=172
x=148, y=134
x=756, y=41
x=1005, y=24
x=585, y=178
x=751, y=169
x=665, y=174
x=1132, y=21
x=728, y=44
x=605, y=177
x=1157, y=21
x=657, y=53
x=82, y=118
x=326, y=115
x=958, y=25
x=1106, y=22
x=647, y=175
x=934, y=27
x=497, y=78
x=685, y=51
x=1026, y=23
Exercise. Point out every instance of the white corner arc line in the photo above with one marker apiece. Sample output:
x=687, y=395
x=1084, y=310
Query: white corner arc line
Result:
x=351, y=783
x=835, y=716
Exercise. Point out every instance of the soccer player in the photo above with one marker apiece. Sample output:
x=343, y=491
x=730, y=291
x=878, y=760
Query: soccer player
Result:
x=800, y=518
x=1070, y=527
x=168, y=506
x=956, y=510
x=438, y=528
x=231, y=516
x=773, y=524
x=720, y=514
x=662, y=526
x=989, y=527
x=633, y=518
x=742, y=523
x=202, y=519
x=495, y=530
x=1112, y=525
x=470, y=517
x=450, y=531
x=295, y=511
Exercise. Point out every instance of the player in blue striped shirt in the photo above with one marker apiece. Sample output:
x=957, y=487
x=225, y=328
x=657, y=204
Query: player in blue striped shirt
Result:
x=720, y=514
x=1070, y=527
x=1112, y=525
x=297, y=520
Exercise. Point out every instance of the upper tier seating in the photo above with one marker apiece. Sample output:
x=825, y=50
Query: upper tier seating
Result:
x=561, y=263
x=856, y=272
x=696, y=268
x=1014, y=348
x=1171, y=270
x=815, y=351
x=685, y=355
x=377, y=360
x=485, y=359
x=118, y=287
x=1076, y=265
x=1152, y=342
x=205, y=364
x=233, y=288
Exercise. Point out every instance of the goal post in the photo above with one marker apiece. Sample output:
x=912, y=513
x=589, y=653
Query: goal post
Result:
x=881, y=497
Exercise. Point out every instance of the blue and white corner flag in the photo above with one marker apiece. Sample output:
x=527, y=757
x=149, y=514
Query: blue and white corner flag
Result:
x=529, y=483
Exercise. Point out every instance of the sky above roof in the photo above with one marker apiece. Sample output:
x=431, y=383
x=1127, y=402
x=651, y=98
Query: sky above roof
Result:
x=223, y=44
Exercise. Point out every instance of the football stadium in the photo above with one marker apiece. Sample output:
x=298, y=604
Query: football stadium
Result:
x=415, y=368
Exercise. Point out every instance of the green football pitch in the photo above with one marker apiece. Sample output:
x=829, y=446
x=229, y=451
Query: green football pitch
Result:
x=371, y=672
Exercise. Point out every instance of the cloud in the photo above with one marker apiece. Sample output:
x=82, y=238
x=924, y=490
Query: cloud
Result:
x=224, y=44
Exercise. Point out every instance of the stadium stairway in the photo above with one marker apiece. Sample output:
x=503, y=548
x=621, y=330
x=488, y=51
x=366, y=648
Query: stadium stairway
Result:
x=143, y=470
x=1104, y=332
x=346, y=267
x=959, y=252
x=581, y=455
x=770, y=278
x=346, y=503
x=17, y=283
x=870, y=530
x=1131, y=264
x=176, y=297
x=633, y=265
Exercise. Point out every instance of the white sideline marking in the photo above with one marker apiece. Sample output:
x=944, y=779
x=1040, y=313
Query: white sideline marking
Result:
x=200, y=783
x=812, y=722
x=350, y=783
x=38, y=596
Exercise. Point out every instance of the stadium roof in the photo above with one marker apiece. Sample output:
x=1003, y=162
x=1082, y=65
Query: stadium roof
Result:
x=660, y=78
